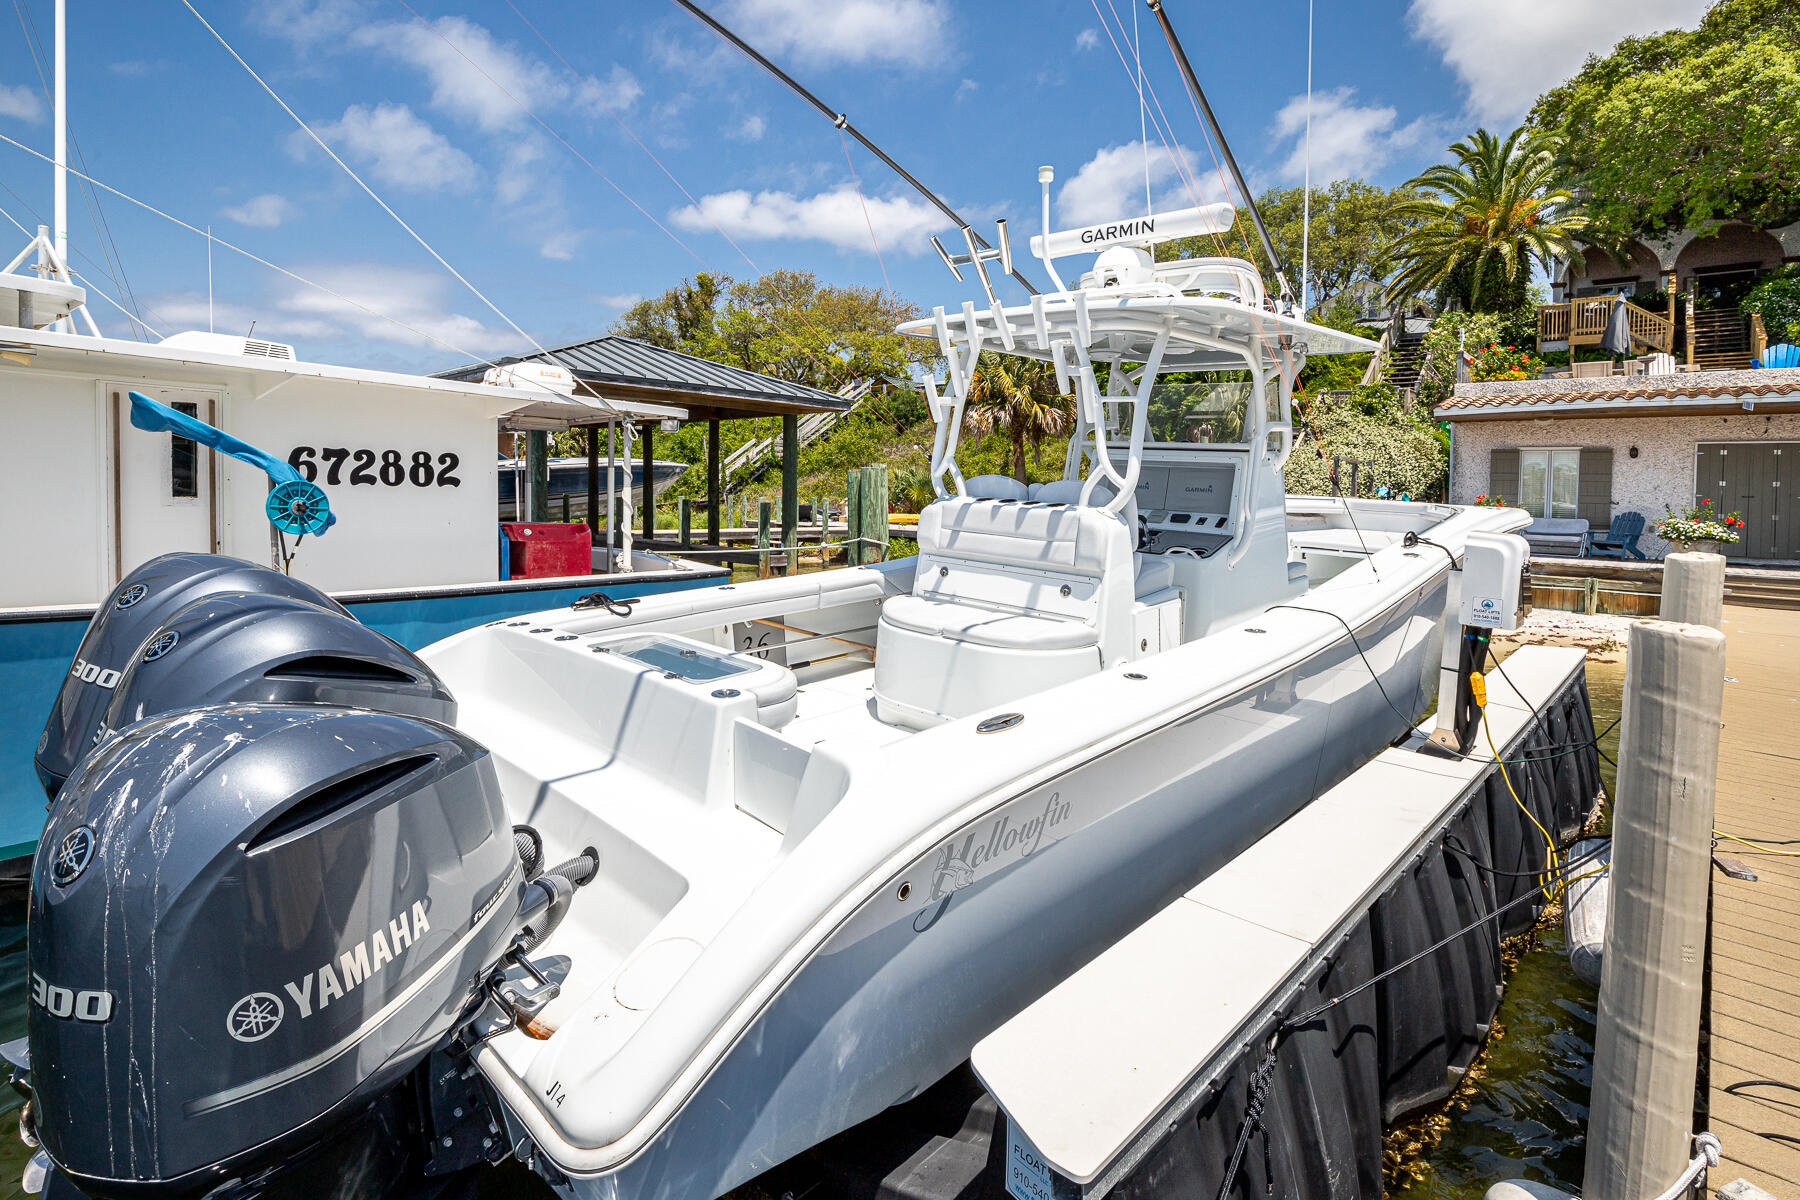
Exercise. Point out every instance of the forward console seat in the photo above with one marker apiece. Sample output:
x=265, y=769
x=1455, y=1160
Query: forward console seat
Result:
x=1010, y=596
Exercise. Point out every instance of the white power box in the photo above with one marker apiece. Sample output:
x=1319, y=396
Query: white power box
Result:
x=1493, y=581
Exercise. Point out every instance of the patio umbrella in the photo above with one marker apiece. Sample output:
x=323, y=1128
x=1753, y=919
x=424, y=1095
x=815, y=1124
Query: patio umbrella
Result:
x=1617, y=338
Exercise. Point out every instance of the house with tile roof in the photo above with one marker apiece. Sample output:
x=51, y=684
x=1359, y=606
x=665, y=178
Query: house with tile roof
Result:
x=1594, y=448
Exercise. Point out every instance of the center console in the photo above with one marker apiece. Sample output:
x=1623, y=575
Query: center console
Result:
x=1188, y=500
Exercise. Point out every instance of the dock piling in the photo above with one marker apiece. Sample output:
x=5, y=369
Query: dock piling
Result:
x=1694, y=589
x=1647, y=1045
x=685, y=513
x=762, y=539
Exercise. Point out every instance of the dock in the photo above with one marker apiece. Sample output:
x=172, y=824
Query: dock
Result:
x=1754, y=955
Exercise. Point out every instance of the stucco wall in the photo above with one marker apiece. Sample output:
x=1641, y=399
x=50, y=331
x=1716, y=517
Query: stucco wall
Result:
x=1662, y=473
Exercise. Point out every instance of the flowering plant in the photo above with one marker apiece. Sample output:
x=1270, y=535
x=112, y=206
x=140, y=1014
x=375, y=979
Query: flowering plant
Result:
x=1486, y=501
x=1503, y=362
x=1699, y=523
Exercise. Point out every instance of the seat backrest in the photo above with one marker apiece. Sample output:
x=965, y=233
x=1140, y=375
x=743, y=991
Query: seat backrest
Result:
x=994, y=487
x=1067, y=561
x=1626, y=524
x=1068, y=491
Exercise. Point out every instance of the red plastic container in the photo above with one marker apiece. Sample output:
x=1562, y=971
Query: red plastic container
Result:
x=544, y=551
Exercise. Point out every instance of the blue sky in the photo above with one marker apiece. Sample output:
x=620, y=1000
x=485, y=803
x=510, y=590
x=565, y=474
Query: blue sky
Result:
x=970, y=96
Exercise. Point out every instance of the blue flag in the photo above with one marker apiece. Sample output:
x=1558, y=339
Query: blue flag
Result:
x=154, y=417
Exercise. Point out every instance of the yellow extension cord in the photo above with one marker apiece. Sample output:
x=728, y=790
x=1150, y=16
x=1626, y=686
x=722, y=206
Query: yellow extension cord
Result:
x=1552, y=868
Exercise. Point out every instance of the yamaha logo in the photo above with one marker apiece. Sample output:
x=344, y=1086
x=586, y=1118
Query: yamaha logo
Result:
x=73, y=856
x=132, y=595
x=254, y=1017
x=164, y=643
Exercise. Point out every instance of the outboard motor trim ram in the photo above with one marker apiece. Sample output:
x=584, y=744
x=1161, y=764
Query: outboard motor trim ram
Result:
x=271, y=914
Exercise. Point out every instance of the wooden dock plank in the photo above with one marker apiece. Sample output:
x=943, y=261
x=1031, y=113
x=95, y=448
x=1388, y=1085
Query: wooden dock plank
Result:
x=1755, y=945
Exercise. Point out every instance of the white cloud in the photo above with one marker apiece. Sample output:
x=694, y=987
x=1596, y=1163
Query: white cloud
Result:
x=399, y=148
x=836, y=216
x=1087, y=39
x=1111, y=184
x=1506, y=52
x=20, y=102
x=561, y=246
x=417, y=296
x=750, y=129
x=965, y=89
x=622, y=300
x=1349, y=140
x=262, y=212
x=469, y=88
x=910, y=33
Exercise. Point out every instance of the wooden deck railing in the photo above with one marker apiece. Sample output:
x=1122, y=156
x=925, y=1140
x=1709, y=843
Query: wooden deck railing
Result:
x=1582, y=322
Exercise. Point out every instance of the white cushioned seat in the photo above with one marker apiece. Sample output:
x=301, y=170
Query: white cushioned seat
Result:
x=995, y=487
x=1014, y=631
x=1154, y=573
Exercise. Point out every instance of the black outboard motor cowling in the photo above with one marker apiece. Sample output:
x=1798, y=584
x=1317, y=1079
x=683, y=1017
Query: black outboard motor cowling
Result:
x=259, y=648
x=246, y=923
x=137, y=607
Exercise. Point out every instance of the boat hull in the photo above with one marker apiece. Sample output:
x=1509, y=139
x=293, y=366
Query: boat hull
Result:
x=1021, y=895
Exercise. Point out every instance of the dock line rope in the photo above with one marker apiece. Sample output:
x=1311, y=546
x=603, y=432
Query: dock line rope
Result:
x=1253, y=1123
x=1706, y=1155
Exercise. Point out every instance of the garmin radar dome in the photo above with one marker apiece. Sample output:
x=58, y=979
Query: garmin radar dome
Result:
x=138, y=607
x=257, y=932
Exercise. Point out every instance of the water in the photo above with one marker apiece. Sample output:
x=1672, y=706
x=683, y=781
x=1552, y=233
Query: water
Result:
x=1521, y=1114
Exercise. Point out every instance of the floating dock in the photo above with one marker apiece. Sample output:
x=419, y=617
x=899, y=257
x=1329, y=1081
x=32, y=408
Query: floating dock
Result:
x=1155, y=1066
x=1754, y=961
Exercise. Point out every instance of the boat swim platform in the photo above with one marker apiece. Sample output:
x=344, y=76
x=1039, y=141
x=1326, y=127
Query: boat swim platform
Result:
x=1133, y=1077
x=1753, y=995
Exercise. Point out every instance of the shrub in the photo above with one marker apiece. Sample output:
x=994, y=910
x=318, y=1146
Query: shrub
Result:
x=1398, y=452
x=1777, y=298
x=1495, y=361
x=1450, y=332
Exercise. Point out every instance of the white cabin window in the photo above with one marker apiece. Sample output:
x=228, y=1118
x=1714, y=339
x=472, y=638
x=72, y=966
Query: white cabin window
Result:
x=1550, y=482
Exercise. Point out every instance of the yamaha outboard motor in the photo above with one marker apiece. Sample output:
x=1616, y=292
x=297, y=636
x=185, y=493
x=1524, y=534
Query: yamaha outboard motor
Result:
x=272, y=649
x=258, y=933
x=142, y=602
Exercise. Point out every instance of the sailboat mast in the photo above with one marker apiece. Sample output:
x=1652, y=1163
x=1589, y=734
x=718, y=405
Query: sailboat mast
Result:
x=843, y=123
x=60, y=232
x=1212, y=123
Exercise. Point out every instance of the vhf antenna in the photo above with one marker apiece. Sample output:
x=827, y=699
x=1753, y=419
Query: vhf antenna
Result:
x=1212, y=123
x=979, y=251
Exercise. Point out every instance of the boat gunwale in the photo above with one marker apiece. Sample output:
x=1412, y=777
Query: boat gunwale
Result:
x=712, y=1050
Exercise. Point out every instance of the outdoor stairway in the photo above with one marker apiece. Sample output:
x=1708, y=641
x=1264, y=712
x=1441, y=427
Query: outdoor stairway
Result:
x=1721, y=340
x=755, y=456
x=1407, y=357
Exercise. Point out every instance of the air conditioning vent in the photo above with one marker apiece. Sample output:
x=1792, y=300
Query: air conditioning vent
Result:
x=227, y=343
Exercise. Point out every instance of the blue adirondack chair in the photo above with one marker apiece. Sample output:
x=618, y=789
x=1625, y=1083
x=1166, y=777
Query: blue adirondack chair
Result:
x=1620, y=538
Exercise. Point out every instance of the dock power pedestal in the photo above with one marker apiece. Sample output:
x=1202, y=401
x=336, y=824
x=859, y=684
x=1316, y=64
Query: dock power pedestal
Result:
x=1490, y=593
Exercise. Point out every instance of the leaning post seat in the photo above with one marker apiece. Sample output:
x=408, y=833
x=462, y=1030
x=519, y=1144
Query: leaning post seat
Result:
x=1009, y=597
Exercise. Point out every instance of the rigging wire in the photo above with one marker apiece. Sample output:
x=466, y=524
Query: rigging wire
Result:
x=358, y=179
x=546, y=128
x=868, y=220
x=1306, y=186
x=96, y=214
x=256, y=258
x=86, y=282
x=78, y=252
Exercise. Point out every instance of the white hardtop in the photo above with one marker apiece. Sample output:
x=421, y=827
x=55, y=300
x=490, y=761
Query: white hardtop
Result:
x=68, y=352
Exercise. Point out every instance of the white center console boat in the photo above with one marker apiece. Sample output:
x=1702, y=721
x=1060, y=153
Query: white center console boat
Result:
x=850, y=822
x=830, y=830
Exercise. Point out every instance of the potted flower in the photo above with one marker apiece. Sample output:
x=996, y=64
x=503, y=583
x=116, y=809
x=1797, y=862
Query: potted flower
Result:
x=1699, y=527
x=1486, y=501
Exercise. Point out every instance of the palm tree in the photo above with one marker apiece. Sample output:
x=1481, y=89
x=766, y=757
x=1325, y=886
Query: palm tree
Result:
x=1482, y=221
x=1019, y=396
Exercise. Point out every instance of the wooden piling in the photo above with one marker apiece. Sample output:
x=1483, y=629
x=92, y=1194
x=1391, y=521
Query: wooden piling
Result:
x=762, y=539
x=853, y=551
x=685, y=512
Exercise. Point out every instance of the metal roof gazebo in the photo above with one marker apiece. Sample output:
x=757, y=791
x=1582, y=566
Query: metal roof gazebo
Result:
x=648, y=384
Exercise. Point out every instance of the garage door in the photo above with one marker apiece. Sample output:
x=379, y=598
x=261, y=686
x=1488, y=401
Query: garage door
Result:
x=1758, y=480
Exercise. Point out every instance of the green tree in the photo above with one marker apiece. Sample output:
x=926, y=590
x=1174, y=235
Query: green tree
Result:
x=1672, y=130
x=1482, y=221
x=1352, y=222
x=1018, y=397
x=786, y=324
